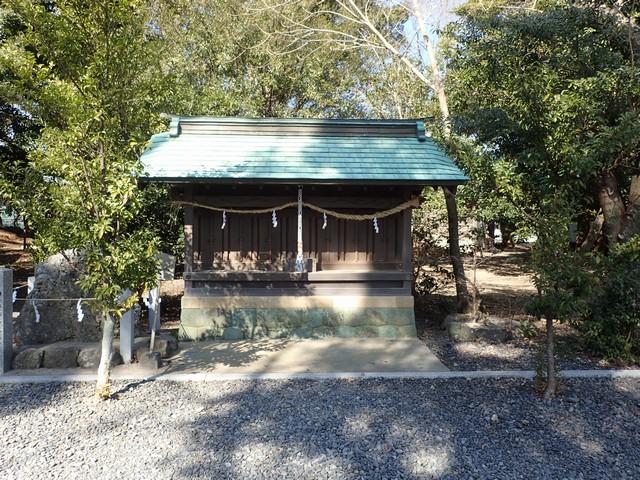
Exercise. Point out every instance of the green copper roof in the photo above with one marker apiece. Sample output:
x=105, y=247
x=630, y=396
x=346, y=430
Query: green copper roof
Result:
x=241, y=150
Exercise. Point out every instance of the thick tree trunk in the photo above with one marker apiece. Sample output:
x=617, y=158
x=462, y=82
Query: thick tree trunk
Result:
x=552, y=381
x=631, y=221
x=103, y=384
x=595, y=228
x=454, y=249
x=612, y=206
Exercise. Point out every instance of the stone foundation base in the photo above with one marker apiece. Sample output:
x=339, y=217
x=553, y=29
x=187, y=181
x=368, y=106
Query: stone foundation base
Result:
x=237, y=318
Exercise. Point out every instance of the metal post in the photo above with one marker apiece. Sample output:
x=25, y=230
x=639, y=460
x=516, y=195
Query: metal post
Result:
x=299, y=256
x=6, y=319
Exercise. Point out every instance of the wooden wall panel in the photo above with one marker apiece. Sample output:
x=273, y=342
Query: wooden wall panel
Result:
x=251, y=242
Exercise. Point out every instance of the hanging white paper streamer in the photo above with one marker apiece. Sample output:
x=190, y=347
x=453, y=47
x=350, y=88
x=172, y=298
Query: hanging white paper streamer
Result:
x=35, y=309
x=224, y=220
x=79, y=310
x=375, y=225
x=145, y=300
x=148, y=301
x=299, y=258
x=14, y=296
x=274, y=219
x=324, y=225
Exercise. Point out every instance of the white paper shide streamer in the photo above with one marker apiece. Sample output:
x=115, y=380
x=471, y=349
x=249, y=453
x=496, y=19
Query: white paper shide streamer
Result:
x=324, y=225
x=274, y=219
x=79, y=310
x=375, y=225
x=224, y=220
x=35, y=310
x=14, y=296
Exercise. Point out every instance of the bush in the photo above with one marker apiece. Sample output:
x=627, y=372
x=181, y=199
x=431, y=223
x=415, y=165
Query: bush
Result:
x=612, y=330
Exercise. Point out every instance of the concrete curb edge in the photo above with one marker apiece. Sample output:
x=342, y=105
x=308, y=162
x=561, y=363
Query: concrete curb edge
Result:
x=217, y=377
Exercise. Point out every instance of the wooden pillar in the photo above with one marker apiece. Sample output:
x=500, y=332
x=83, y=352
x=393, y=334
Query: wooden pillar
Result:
x=188, y=230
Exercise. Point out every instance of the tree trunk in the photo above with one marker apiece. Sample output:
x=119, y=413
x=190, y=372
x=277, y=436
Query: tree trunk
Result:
x=595, y=227
x=631, y=221
x=103, y=384
x=552, y=381
x=612, y=206
x=454, y=249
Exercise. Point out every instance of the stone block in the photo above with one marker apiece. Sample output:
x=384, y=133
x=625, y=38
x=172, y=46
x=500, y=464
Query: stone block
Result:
x=193, y=317
x=150, y=361
x=243, y=318
x=28, y=359
x=492, y=333
x=323, y=332
x=60, y=357
x=401, y=317
x=366, y=331
x=259, y=332
x=334, y=318
x=89, y=357
x=278, y=333
x=271, y=319
x=300, y=332
x=187, y=333
x=407, y=331
x=315, y=317
x=344, y=331
x=167, y=345
x=232, y=333
x=388, y=331
x=376, y=317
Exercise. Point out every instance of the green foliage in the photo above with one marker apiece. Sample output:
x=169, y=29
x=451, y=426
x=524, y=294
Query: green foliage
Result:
x=564, y=284
x=97, y=96
x=427, y=233
x=546, y=100
x=164, y=218
x=612, y=330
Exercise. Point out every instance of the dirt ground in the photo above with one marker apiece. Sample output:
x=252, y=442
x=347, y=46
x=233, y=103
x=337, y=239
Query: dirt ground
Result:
x=14, y=256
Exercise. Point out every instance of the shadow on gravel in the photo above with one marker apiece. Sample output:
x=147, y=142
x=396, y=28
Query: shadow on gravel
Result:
x=412, y=429
x=15, y=397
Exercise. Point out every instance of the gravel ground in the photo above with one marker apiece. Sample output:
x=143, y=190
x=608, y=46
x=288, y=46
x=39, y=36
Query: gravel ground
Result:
x=321, y=429
x=516, y=354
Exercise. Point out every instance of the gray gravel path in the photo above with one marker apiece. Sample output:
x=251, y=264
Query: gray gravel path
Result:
x=321, y=429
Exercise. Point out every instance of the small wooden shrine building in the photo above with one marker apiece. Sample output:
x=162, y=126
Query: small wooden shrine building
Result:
x=297, y=227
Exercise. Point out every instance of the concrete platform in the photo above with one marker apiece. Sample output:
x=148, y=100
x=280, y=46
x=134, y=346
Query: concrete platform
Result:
x=333, y=355
x=273, y=358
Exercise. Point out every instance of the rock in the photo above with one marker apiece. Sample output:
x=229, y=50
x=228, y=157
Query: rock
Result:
x=464, y=329
x=28, y=359
x=492, y=333
x=461, y=331
x=60, y=357
x=456, y=318
x=89, y=357
x=167, y=345
x=150, y=361
x=56, y=278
